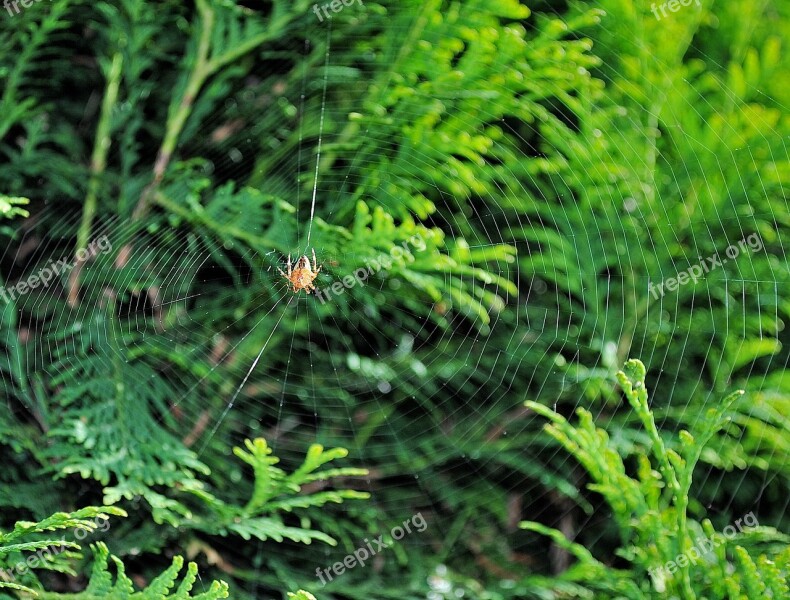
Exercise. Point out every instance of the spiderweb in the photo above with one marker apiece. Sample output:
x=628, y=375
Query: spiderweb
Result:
x=354, y=372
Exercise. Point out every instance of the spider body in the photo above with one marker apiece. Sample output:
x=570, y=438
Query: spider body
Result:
x=301, y=276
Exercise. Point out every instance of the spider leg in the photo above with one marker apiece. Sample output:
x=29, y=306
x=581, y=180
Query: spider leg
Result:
x=288, y=281
x=316, y=268
x=289, y=266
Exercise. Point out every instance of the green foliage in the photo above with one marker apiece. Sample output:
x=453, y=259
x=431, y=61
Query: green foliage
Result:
x=651, y=512
x=275, y=492
x=9, y=207
x=26, y=537
x=552, y=159
x=103, y=585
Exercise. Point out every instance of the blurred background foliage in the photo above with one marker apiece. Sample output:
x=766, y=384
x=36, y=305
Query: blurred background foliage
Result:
x=555, y=158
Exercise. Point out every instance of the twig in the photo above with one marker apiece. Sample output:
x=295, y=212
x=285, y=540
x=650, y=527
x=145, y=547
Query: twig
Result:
x=101, y=147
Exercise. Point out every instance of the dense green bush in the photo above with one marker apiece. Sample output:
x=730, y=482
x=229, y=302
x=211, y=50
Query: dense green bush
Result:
x=544, y=165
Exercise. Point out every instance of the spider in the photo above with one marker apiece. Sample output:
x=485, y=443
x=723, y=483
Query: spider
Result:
x=302, y=276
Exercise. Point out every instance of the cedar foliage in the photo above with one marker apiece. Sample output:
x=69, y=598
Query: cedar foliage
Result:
x=555, y=160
